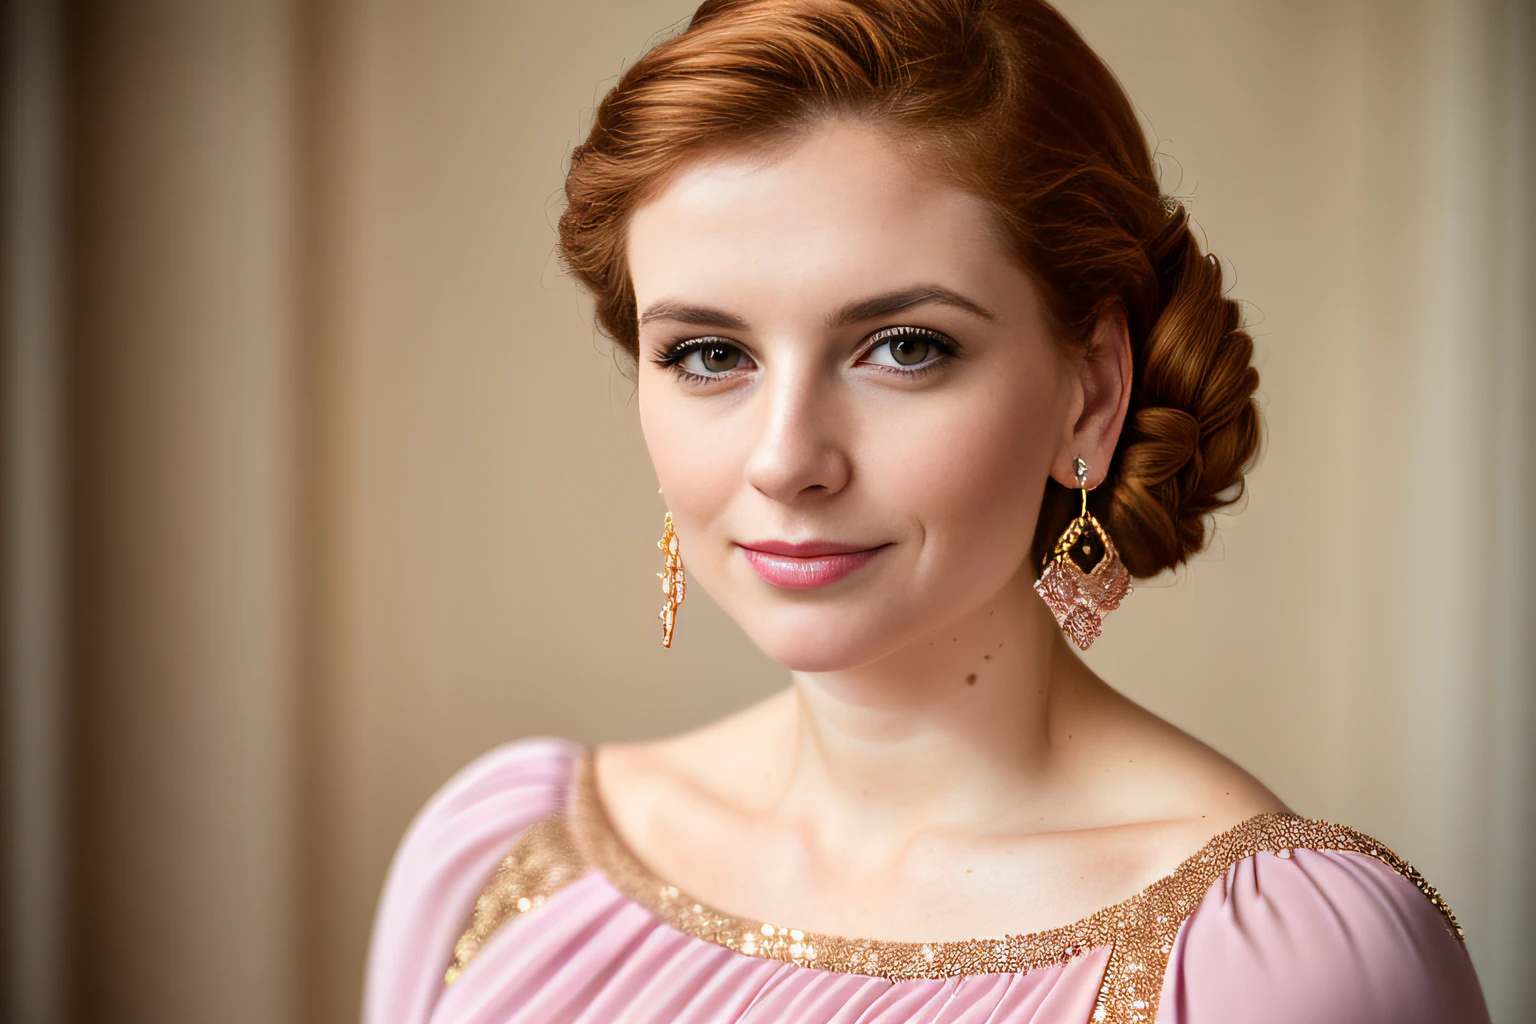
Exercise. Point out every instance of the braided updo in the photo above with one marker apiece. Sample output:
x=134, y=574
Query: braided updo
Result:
x=1016, y=108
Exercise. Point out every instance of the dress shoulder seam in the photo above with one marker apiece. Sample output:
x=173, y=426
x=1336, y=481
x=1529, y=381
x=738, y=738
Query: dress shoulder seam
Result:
x=543, y=861
x=1146, y=926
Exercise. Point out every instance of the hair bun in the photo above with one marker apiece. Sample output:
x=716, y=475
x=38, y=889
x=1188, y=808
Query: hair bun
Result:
x=1193, y=429
x=1172, y=440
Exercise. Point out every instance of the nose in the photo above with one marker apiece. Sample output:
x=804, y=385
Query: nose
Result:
x=801, y=450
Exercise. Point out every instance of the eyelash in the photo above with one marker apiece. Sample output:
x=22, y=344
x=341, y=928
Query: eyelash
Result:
x=672, y=358
x=945, y=344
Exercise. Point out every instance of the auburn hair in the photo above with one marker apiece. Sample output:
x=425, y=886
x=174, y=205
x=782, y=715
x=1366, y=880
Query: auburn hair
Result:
x=1014, y=106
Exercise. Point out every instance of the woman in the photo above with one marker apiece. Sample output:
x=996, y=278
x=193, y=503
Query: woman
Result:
x=928, y=369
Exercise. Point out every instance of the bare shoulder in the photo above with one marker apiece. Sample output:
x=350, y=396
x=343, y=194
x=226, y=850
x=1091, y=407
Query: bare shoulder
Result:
x=701, y=765
x=1149, y=770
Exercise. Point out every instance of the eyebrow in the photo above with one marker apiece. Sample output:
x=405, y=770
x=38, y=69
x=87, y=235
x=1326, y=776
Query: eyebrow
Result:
x=895, y=302
x=854, y=312
x=697, y=316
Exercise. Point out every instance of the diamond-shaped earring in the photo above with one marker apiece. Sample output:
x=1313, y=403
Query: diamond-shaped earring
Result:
x=1083, y=579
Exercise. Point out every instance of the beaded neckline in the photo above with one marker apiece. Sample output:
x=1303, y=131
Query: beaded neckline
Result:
x=601, y=845
x=574, y=841
x=1140, y=929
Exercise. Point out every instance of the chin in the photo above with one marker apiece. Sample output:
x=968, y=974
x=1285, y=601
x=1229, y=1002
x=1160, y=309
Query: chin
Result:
x=824, y=637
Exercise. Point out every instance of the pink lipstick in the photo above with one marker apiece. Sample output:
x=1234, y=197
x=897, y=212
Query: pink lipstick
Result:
x=808, y=564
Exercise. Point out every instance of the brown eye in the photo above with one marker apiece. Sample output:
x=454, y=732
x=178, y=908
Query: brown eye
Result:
x=719, y=358
x=909, y=349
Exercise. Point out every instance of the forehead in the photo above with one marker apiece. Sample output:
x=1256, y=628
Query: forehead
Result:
x=842, y=208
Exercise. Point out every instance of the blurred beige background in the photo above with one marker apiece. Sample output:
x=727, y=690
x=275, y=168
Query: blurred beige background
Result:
x=318, y=482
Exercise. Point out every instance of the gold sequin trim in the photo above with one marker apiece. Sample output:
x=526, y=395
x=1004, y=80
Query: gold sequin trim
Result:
x=1140, y=930
x=543, y=862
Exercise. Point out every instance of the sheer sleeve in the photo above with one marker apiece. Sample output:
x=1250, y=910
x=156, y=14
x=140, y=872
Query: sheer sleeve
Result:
x=442, y=863
x=1319, y=936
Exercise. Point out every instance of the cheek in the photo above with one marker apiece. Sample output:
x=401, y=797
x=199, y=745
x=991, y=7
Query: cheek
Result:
x=698, y=463
x=975, y=481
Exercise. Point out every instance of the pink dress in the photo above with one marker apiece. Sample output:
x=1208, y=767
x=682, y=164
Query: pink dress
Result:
x=511, y=899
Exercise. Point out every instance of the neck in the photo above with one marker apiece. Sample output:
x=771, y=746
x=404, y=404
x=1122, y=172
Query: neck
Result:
x=939, y=733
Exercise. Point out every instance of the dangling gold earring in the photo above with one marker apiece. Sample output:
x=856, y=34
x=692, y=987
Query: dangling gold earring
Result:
x=1084, y=578
x=674, y=581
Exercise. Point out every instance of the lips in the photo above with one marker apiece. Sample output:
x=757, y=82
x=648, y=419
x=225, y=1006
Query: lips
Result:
x=805, y=565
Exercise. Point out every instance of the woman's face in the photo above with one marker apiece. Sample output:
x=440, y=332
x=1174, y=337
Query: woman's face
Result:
x=849, y=392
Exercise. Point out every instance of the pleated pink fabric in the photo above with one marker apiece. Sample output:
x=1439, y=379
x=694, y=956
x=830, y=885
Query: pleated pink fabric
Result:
x=1318, y=936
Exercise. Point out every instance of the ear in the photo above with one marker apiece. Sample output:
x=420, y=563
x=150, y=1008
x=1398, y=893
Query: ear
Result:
x=1103, y=386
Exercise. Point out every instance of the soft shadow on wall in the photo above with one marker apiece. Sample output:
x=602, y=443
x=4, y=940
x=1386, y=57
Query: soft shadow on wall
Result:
x=318, y=483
